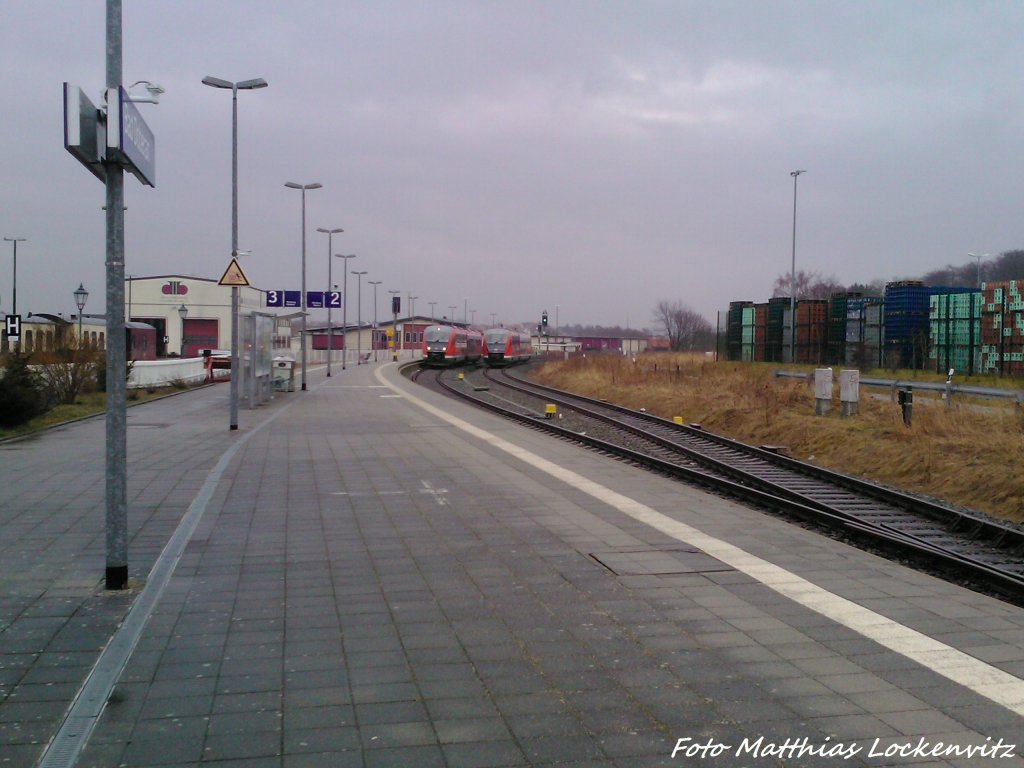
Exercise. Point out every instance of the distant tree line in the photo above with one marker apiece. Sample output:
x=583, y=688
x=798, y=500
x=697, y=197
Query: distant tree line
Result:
x=1008, y=265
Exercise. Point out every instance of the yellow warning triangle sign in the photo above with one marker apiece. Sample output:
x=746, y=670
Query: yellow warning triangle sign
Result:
x=234, y=275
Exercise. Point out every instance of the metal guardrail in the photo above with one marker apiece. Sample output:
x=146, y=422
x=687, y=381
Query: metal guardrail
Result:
x=927, y=386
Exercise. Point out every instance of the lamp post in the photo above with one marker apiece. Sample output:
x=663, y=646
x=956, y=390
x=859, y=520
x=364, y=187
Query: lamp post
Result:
x=373, y=334
x=243, y=85
x=394, y=326
x=14, y=281
x=183, y=313
x=359, y=316
x=465, y=310
x=792, y=279
x=433, y=314
x=412, y=305
x=303, y=188
x=330, y=328
x=451, y=311
x=81, y=296
x=344, y=304
x=978, y=257
x=472, y=317
x=493, y=315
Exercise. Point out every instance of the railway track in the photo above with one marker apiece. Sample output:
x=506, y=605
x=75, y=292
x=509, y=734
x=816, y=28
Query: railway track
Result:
x=969, y=548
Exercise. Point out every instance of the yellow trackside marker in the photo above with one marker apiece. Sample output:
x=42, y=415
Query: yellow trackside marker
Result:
x=678, y=420
x=550, y=410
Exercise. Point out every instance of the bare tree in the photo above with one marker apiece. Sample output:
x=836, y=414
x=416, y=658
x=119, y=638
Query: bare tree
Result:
x=808, y=285
x=686, y=329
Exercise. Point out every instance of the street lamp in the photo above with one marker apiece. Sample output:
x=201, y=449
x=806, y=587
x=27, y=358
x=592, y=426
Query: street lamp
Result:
x=412, y=305
x=373, y=335
x=432, y=313
x=183, y=313
x=451, y=312
x=792, y=279
x=359, y=316
x=330, y=328
x=81, y=296
x=978, y=257
x=303, y=188
x=465, y=310
x=344, y=305
x=243, y=85
x=14, y=282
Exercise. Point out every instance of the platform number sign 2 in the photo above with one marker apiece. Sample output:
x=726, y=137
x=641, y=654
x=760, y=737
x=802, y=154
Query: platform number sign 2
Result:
x=333, y=299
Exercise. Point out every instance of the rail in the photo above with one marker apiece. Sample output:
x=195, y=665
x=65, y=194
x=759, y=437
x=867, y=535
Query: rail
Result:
x=973, y=390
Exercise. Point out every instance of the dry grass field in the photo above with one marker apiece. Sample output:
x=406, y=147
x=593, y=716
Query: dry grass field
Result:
x=971, y=455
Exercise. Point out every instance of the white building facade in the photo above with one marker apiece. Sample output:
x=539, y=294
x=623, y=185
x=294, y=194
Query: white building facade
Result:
x=190, y=314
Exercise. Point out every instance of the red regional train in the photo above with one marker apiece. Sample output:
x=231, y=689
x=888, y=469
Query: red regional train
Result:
x=450, y=345
x=503, y=346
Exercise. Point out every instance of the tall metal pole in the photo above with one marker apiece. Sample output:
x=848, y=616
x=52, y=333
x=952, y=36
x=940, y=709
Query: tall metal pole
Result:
x=117, y=385
x=373, y=335
x=303, y=188
x=14, y=281
x=330, y=287
x=344, y=305
x=244, y=85
x=359, y=316
x=792, y=279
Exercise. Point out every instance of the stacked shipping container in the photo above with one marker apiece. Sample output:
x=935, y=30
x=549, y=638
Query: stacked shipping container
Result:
x=734, y=333
x=1002, y=328
x=955, y=331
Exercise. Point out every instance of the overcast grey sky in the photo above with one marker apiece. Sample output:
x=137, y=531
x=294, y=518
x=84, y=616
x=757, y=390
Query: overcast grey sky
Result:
x=597, y=156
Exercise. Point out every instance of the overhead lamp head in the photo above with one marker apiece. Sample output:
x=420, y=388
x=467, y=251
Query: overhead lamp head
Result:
x=217, y=82
x=248, y=85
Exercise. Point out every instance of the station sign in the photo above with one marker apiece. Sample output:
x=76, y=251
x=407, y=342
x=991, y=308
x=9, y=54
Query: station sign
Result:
x=314, y=299
x=82, y=137
x=129, y=139
x=12, y=327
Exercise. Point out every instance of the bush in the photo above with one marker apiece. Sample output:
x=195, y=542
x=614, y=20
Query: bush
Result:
x=68, y=372
x=21, y=393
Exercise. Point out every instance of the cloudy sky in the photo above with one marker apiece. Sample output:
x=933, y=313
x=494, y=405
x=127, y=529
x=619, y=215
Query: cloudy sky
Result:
x=517, y=156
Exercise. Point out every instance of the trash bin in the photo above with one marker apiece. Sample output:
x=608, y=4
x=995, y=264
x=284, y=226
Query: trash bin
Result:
x=284, y=374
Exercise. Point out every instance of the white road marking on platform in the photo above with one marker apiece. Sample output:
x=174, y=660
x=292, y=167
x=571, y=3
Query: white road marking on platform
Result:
x=367, y=493
x=436, y=493
x=983, y=679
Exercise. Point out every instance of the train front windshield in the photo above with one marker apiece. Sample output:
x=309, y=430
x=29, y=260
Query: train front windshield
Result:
x=438, y=335
x=496, y=339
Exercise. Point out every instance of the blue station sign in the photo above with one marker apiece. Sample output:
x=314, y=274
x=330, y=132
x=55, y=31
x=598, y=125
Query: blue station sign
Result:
x=129, y=139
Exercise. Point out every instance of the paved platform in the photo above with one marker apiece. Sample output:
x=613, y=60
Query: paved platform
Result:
x=377, y=576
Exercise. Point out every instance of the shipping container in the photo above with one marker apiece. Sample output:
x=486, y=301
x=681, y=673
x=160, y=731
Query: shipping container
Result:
x=734, y=340
x=775, y=332
x=955, y=331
